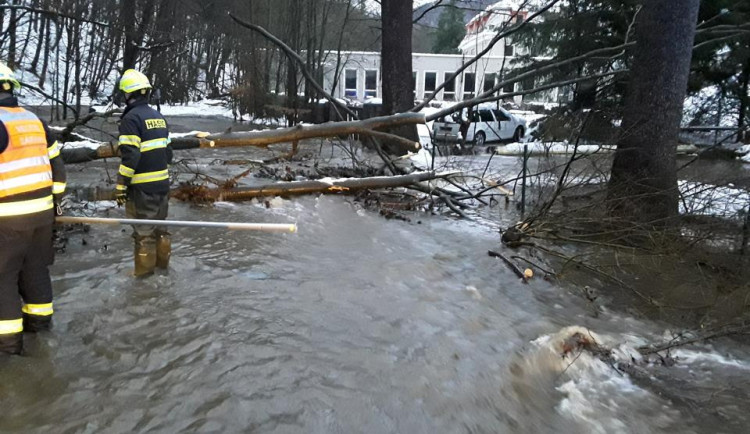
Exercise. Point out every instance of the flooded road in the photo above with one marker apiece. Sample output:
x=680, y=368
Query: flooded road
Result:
x=356, y=324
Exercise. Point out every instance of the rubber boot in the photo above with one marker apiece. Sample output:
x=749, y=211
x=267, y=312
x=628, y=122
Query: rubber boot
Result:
x=11, y=343
x=36, y=323
x=163, y=251
x=145, y=257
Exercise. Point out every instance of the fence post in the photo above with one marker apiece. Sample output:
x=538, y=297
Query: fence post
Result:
x=745, y=233
x=523, y=180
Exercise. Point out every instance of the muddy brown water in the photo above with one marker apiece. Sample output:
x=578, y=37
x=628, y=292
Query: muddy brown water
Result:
x=356, y=324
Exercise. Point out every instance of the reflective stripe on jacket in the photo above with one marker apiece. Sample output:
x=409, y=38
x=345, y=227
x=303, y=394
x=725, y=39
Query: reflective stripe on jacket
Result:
x=25, y=169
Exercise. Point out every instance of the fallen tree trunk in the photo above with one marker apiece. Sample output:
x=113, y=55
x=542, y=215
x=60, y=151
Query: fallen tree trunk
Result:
x=346, y=185
x=263, y=138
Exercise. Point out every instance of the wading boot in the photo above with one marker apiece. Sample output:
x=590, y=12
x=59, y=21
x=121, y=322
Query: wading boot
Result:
x=37, y=317
x=163, y=251
x=36, y=323
x=145, y=257
x=11, y=343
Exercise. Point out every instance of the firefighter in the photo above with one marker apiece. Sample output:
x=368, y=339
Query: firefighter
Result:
x=32, y=182
x=143, y=176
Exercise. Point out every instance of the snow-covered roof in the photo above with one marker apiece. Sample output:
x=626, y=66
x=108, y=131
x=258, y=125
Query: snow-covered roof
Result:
x=502, y=5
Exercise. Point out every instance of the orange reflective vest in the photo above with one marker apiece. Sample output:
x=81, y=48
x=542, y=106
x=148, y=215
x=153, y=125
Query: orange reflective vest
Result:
x=24, y=165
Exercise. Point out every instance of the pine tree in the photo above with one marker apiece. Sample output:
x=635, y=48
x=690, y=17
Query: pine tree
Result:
x=643, y=186
x=450, y=31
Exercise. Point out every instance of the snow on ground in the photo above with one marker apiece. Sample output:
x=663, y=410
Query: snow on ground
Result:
x=206, y=107
x=544, y=148
x=703, y=107
x=707, y=199
x=81, y=144
x=745, y=152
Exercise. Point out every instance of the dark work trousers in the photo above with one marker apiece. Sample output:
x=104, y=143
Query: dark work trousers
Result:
x=151, y=206
x=25, y=257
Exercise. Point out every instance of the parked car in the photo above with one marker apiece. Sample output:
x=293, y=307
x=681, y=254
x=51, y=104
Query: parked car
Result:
x=481, y=126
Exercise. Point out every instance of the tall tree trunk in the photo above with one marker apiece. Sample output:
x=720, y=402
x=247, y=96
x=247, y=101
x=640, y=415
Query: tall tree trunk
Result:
x=744, y=103
x=12, y=26
x=39, y=44
x=45, y=62
x=396, y=54
x=130, y=50
x=643, y=187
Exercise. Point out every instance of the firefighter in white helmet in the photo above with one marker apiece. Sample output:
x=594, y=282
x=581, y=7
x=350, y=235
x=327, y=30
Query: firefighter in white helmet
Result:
x=32, y=180
x=143, y=176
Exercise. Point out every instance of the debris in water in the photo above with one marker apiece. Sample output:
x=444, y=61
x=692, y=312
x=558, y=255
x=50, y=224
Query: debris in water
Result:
x=474, y=292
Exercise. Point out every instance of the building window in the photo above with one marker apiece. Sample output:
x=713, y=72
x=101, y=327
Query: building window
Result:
x=449, y=91
x=414, y=82
x=509, y=50
x=489, y=82
x=430, y=83
x=508, y=88
x=371, y=83
x=350, y=83
x=470, y=85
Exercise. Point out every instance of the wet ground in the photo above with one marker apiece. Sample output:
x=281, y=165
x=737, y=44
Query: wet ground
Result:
x=356, y=324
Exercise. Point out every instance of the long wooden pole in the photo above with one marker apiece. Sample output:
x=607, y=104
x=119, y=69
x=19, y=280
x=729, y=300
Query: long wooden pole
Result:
x=232, y=226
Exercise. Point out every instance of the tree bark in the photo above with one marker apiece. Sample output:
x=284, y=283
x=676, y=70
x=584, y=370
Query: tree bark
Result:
x=396, y=65
x=265, y=138
x=744, y=102
x=130, y=50
x=297, y=188
x=643, y=186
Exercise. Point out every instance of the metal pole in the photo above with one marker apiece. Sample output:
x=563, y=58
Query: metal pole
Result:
x=523, y=182
x=232, y=226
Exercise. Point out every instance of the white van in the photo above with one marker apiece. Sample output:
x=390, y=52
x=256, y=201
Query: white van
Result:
x=487, y=124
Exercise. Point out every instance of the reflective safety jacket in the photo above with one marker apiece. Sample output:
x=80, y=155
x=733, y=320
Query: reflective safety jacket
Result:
x=144, y=147
x=31, y=169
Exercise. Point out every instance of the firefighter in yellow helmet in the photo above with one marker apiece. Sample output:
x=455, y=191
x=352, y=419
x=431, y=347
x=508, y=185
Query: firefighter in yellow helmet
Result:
x=143, y=177
x=32, y=180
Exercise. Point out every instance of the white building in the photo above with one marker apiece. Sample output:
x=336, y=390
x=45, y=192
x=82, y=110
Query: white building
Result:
x=361, y=76
x=484, y=26
x=360, y=72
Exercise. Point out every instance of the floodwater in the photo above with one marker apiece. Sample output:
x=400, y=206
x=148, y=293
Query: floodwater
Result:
x=356, y=324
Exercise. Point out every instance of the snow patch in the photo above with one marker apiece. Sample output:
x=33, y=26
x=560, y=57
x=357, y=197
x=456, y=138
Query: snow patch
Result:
x=708, y=199
x=81, y=144
x=545, y=148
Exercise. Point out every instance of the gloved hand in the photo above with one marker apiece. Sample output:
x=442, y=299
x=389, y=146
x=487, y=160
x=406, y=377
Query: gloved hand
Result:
x=58, y=204
x=121, y=195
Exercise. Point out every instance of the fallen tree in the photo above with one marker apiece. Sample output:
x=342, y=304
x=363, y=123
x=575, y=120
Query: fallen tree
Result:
x=263, y=138
x=203, y=194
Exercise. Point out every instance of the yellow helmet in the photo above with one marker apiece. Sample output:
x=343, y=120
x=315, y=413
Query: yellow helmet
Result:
x=132, y=81
x=8, y=78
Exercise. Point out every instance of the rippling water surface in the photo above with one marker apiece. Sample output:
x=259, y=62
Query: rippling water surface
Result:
x=356, y=324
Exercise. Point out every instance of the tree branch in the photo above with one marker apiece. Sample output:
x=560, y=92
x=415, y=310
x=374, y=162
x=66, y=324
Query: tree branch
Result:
x=486, y=50
x=46, y=95
x=296, y=58
x=53, y=14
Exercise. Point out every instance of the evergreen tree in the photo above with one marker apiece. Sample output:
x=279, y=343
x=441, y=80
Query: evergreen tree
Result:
x=722, y=60
x=643, y=186
x=575, y=28
x=450, y=30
